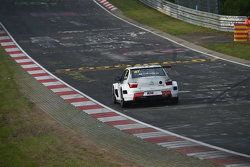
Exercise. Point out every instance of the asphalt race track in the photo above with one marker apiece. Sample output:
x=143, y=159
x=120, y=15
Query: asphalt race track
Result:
x=69, y=37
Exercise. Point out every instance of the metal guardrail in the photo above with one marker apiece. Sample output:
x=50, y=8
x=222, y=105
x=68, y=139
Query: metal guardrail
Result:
x=205, y=19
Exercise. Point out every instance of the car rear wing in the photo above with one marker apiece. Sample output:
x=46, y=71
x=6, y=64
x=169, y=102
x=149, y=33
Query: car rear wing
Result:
x=166, y=66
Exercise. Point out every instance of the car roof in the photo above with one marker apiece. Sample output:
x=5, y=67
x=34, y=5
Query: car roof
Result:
x=144, y=66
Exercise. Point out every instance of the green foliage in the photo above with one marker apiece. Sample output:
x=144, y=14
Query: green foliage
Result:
x=148, y=16
x=26, y=139
x=236, y=49
x=173, y=1
x=10, y=102
x=235, y=7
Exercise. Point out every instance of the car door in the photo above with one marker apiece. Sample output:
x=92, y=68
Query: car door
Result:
x=123, y=82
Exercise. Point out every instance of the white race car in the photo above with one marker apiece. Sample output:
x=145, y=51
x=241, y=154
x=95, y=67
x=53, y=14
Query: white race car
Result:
x=142, y=83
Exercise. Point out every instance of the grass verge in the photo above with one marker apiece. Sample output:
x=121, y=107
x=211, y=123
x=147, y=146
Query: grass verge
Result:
x=153, y=18
x=240, y=50
x=148, y=16
x=28, y=137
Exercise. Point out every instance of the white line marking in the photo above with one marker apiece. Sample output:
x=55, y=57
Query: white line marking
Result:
x=123, y=116
x=83, y=103
x=97, y=111
x=151, y=135
x=17, y=55
x=4, y=37
x=105, y=3
x=29, y=66
x=209, y=154
x=178, y=144
x=113, y=9
x=7, y=43
x=238, y=165
x=114, y=118
x=44, y=77
x=36, y=72
x=130, y=126
x=61, y=89
x=52, y=83
x=23, y=60
x=74, y=96
x=11, y=49
x=108, y=5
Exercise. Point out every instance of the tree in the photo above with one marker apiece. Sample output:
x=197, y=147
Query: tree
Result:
x=235, y=7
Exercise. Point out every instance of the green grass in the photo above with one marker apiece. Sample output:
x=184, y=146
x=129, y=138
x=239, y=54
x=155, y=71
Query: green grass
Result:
x=153, y=18
x=26, y=139
x=240, y=50
x=148, y=16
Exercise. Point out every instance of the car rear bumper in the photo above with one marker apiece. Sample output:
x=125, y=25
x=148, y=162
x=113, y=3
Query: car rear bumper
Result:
x=140, y=96
x=152, y=98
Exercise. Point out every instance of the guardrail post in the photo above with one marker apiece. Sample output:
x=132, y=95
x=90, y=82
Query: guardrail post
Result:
x=241, y=33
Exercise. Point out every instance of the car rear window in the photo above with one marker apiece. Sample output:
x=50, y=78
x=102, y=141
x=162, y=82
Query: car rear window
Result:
x=146, y=72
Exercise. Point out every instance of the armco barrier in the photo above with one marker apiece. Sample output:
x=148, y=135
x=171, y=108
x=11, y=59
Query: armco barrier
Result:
x=205, y=19
x=240, y=32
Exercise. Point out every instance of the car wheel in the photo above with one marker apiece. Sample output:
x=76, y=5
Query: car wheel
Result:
x=123, y=103
x=175, y=100
x=114, y=98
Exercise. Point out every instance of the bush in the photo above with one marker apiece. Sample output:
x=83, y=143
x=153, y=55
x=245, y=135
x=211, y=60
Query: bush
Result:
x=235, y=7
x=173, y=1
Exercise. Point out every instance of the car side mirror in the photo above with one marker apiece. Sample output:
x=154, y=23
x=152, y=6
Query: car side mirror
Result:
x=118, y=79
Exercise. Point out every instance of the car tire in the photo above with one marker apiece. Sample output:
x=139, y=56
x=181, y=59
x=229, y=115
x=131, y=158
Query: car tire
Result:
x=175, y=100
x=114, y=98
x=123, y=103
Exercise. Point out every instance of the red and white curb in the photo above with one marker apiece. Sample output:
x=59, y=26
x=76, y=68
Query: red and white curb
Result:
x=107, y=5
x=118, y=120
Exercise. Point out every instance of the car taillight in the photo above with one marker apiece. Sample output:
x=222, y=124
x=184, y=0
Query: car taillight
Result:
x=169, y=83
x=166, y=93
x=138, y=94
x=133, y=85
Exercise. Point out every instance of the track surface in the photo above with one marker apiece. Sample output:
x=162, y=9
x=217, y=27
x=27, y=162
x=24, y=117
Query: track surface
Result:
x=215, y=95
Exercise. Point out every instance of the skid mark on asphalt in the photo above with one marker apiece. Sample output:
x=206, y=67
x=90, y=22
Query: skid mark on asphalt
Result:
x=122, y=66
